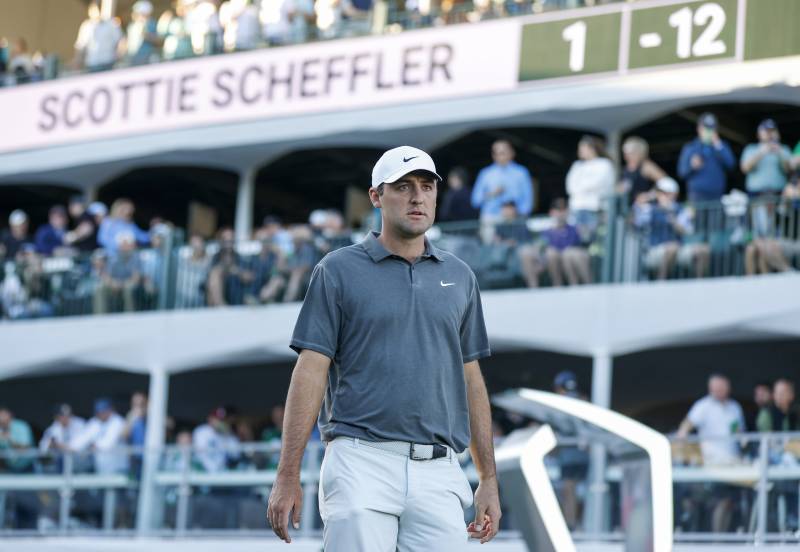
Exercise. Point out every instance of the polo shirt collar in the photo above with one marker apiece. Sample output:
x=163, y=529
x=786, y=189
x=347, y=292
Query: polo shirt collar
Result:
x=378, y=252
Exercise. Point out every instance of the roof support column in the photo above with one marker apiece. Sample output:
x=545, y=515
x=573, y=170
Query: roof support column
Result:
x=597, y=517
x=245, y=199
x=148, y=518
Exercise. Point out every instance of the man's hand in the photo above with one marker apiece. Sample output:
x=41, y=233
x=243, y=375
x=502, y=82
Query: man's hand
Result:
x=286, y=497
x=696, y=162
x=487, y=512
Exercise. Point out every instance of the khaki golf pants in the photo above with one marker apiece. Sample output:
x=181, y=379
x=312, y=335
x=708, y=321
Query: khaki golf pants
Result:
x=377, y=501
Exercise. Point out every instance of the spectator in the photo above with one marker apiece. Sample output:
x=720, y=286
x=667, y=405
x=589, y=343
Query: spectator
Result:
x=300, y=263
x=564, y=253
x=328, y=18
x=768, y=163
x=272, y=434
x=142, y=40
x=457, y=204
x=103, y=435
x=205, y=28
x=273, y=230
x=15, y=435
x=180, y=457
x=511, y=229
x=51, y=236
x=640, y=173
x=286, y=21
x=122, y=278
x=664, y=222
x=64, y=428
x=12, y=240
x=3, y=60
x=268, y=282
x=83, y=235
x=717, y=418
x=780, y=416
x=20, y=63
x=120, y=220
x=98, y=41
x=175, y=31
x=590, y=181
x=501, y=182
x=228, y=276
x=136, y=420
x=242, y=27
x=762, y=397
x=357, y=17
x=191, y=275
x=214, y=442
x=573, y=461
x=704, y=163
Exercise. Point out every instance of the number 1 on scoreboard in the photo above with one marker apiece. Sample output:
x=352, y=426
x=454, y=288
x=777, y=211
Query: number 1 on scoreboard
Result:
x=575, y=34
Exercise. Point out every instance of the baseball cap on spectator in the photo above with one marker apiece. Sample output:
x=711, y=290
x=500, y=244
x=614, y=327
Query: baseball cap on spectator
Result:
x=143, y=7
x=566, y=380
x=62, y=409
x=102, y=405
x=667, y=185
x=97, y=208
x=17, y=217
x=767, y=124
x=708, y=120
x=398, y=162
x=318, y=217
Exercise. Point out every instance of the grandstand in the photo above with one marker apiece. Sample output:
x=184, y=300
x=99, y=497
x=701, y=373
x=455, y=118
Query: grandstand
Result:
x=161, y=211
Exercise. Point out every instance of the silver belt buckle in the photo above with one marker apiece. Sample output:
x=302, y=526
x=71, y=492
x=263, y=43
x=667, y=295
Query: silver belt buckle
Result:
x=413, y=454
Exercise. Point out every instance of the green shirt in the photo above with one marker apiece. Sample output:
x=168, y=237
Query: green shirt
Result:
x=768, y=175
x=19, y=436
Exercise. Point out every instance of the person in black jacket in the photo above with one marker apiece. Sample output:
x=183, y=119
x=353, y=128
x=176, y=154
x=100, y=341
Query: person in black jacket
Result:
x=456, y=203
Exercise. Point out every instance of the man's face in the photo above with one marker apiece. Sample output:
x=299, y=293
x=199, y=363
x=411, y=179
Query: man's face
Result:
x=784, y=395
x=508, y=212
x=138, y=400
x=76, y=209
x=502, y=152
x=719, y=388
x=762, y=395
x=559, y=216
x=104, y=415
x=408, y=206
x=63, y=419
x=58, y=220
x=20, y=230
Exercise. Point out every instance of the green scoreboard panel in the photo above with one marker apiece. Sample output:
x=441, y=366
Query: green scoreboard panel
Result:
x=657, y=34
x=679, y=33
x=570, y=47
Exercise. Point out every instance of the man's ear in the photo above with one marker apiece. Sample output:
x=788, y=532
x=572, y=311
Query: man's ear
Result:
x=374, y=198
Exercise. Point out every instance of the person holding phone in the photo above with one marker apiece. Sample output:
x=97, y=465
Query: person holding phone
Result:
x=705, y=162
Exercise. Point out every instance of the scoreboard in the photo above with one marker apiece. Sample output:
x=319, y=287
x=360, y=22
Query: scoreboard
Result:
x=634, y=36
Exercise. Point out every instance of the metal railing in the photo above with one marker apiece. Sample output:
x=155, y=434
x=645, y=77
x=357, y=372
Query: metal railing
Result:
x=740, y=489
x=734, y=237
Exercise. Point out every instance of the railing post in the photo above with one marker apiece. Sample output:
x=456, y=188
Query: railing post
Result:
x=65, y=493
x=166, y=295
x=154, y=446
x=184, y=491
x=607, y=269
x=763, y=488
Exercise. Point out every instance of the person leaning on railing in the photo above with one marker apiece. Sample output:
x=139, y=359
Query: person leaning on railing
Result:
x=590, y=181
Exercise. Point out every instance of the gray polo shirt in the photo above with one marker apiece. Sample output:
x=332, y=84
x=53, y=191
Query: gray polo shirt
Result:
x=398, y=335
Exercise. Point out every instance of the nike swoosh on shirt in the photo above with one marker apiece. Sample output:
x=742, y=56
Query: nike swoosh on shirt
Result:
x=443, y=284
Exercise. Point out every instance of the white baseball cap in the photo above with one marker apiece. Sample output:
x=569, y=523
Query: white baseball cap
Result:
x=667, y=185
x=143, y=7
x=17, y=217
x=398, y=162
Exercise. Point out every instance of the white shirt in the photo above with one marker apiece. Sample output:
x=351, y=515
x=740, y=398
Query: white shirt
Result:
x=213, y=447
x=715, y=422
x=98, y=40
x=61, y=435
x=106, y=436
x=284, y=20
x=244, y=32
x=589, y=183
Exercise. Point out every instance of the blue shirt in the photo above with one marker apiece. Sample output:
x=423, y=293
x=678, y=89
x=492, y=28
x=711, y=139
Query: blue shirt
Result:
x=768, y=175
x=515, y=181
x=48, y=238
x=709, y=181
x=562, y=237
x=110, y=228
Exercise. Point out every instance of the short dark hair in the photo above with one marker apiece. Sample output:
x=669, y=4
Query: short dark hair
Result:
x=558, y=204
x=380, y=188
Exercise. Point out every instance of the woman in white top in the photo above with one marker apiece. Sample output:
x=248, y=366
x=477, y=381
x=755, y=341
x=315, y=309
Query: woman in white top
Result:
x=590, y=181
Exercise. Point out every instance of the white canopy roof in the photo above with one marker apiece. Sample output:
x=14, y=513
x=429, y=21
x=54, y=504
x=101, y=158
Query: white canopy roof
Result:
x=612, y=319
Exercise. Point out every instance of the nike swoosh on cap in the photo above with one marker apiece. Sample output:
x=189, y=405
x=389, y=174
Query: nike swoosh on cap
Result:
x=406, y=160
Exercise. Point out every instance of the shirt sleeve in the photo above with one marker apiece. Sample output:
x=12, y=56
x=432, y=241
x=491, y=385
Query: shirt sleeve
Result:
x=697, y=414
x=474, y=340
x=318, y=324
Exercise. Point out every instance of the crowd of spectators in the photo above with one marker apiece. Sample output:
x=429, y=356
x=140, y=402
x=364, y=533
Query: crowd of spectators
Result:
x=88, y=258
x=206, y=27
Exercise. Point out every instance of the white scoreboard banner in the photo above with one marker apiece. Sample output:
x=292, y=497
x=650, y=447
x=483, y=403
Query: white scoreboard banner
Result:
x=324, y=76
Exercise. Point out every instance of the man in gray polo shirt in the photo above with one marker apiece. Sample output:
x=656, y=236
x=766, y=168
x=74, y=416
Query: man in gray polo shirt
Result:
x=389, y=335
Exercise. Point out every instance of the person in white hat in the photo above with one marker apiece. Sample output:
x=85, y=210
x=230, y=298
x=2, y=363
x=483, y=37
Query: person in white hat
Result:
x=12, y=239
x=389, y=337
